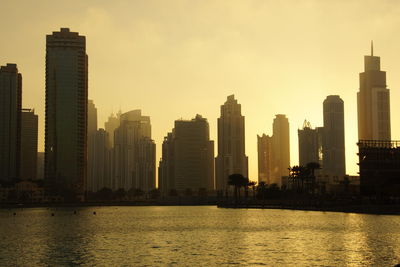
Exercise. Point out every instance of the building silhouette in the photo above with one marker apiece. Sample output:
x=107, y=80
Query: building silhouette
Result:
x=10, y=122
x=187, y=162
x=231, y=157
x=373, y=101
x=134, y=153
x=66, y=113
x=264, y=149
x=333, y=144
x=110, y=125
x=280, y=148
x=91, y=135
x=101, y=167
x=310, y=144
x=40, y=166
x=379, y=162
x=29, y=144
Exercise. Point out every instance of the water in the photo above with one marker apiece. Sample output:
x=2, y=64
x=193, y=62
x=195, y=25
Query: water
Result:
x=195, y=236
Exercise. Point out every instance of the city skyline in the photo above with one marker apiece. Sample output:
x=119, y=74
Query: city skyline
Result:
x=260, y=103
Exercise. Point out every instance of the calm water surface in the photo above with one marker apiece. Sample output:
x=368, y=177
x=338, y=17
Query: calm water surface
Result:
x=195, y=236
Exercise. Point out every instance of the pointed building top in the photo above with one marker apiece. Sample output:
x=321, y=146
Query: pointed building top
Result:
x=372, y=48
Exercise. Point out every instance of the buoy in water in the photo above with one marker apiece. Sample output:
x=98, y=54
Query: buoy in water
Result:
x=94, y=213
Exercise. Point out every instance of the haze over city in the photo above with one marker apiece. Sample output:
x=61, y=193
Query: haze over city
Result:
x=177, y=59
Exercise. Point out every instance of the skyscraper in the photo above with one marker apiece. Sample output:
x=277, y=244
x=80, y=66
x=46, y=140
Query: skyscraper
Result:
x=134, y=153
x=110, y=125
x=101, y=167
x=188, y=157
x=29, y=144
x=66, y=112
x=310, y=144
x=280, y=148
x=231, y=157
x=373, y=101
x=264, y=149
x=333, y=147
x=10, y=122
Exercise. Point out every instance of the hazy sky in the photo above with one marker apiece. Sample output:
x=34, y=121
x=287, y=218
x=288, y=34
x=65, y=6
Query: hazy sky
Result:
x=174, y=59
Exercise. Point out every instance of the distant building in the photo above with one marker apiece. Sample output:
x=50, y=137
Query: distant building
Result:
x=379, y=163
x=187, y=158
x=10, y=122
x=333, y=143
x=29, y=144
x=264, y=149
x=373, y=102
x=231, y=157
x=101, y=175
x=134, y=153
x=40, y=166
x=66, y=113
x=110, y=125
x=280, y=148
x=310, y=144
x=91, y=136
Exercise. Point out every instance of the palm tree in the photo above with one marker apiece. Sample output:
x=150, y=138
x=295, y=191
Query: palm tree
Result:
x=236, y=180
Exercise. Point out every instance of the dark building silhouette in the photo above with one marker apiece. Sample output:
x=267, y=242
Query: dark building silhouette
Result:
x=310, y=144
x=373, y=102
x=91, y=154
x=101, y=167
x=66, y=112
x=10, y=122
x=29, y=144
x=379, y=163
x=333, y=143
x=187, y=158
x=231, y=157
x=264, y=150
x=280, y=148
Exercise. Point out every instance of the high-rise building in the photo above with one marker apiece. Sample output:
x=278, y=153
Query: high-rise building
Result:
x=10, y=122
x=91, y=135
x=373, y=101
x=188, y=157
x=101, y=175
x=231, y=157
x=134, y=153
x=40, y=166
x=280, y=148
x=66, y=113
x=264, y=149
x=110, y=125
x=29, y=144
x=333, y=144
x=310, y=144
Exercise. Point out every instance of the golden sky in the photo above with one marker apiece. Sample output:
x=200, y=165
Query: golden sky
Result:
x=174, y=59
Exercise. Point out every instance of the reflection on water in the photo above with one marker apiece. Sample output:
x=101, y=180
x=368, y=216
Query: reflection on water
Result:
x=195, y=236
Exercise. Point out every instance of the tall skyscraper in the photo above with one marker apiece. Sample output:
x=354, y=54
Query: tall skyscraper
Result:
x=188, y=157
x=334, y=162
x=280, y=148
x=264, y=149
x=10, y=122
x=66, y=112
x=134, y=153
x=29, y=144
x=231, y=157
x=310, y=144
x=373, y=101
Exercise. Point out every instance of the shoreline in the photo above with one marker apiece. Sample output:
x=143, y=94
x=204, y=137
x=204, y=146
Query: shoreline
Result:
x=358, y=209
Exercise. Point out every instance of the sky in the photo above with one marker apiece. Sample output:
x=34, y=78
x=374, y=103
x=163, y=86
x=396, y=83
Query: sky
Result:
x=175, y=59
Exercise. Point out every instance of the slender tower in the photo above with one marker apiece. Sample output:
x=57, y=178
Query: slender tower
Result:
x=373, y=101
x=333, y=144
x=66, y=113
x=10, y=122
x=231, y=157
